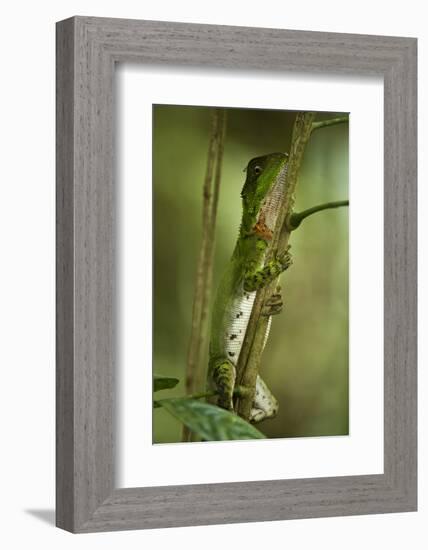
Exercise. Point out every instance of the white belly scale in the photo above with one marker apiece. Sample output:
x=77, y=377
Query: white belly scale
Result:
x=238, y=321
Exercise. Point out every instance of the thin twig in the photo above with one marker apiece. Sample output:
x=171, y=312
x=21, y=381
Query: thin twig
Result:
x=295, y=219
x=330, y=122
x=195, y=372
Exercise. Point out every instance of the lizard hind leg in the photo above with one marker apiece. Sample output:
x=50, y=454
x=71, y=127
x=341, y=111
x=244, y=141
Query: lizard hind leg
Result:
x=224, y=377
x=265, y=404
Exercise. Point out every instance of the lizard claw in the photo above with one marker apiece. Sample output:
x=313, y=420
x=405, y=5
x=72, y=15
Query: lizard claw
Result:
x=285, y=259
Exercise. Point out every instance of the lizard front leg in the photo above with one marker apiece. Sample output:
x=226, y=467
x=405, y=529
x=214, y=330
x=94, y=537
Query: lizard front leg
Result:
x=262, y=277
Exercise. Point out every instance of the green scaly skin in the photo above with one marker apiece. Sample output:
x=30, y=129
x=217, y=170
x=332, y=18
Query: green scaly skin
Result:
x=246, y=273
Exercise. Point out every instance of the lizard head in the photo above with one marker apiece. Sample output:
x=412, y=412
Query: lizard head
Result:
x=262, y=194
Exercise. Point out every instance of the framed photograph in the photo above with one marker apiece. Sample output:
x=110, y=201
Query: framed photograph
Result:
x=236, y=274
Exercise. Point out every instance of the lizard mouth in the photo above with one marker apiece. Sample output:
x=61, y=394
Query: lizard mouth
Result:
x=270, y=207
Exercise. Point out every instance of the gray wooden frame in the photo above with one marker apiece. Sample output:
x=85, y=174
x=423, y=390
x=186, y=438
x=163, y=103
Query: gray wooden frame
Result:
x=87, y=50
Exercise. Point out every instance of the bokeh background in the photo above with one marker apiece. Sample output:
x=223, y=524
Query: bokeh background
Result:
x=305, y=362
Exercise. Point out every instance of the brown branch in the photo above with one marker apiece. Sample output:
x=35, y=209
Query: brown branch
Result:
x=249, y=358
x=195, y=371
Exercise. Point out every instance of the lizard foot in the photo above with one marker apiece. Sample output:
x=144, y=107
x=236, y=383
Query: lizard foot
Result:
x=285, y=259
x=273, y=305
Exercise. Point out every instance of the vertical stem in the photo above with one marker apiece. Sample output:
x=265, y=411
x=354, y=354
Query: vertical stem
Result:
x=195, y=372
x=249, y=358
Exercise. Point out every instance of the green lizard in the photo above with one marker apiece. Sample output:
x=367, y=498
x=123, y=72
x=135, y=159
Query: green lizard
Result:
x=262, y=194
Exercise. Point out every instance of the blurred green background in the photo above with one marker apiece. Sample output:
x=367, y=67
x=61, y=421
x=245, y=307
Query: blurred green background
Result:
x=305, y=362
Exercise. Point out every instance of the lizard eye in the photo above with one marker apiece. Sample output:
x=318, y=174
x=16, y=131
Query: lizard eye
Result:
x=257, y=170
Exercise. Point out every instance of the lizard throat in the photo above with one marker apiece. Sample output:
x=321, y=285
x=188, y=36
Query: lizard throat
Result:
x=270, y=207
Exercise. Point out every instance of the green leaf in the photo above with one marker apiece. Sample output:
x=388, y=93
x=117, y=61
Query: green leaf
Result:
x=164, y=382
x=211, y=423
